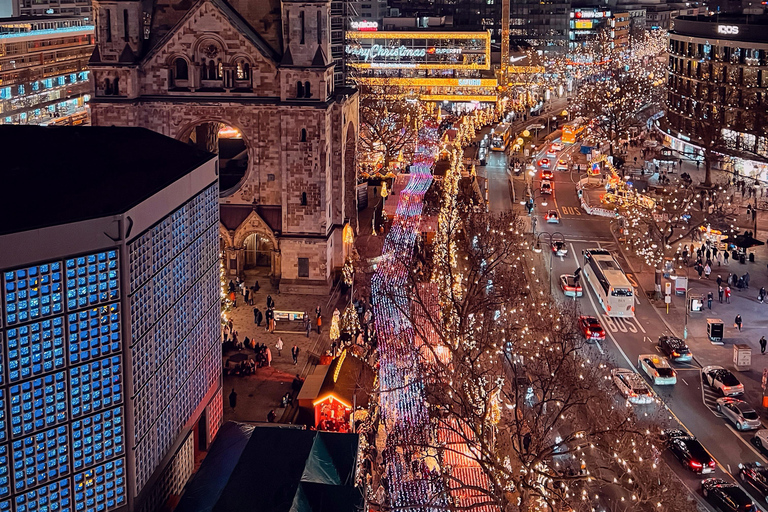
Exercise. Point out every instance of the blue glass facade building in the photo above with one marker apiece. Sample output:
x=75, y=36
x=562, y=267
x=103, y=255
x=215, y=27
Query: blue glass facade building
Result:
x=110, y=355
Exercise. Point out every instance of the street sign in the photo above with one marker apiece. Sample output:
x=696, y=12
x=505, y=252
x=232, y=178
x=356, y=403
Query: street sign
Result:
x=668, y=288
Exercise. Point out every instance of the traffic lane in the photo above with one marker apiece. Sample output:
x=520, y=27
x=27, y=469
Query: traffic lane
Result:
x=685, y=400
x=497, y=183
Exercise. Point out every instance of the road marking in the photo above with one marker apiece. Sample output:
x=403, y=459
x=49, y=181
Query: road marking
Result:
x=748, y=444
x=684, y=381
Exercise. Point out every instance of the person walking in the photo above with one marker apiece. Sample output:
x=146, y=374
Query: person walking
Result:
x=270, y=302
x=319, y=323
x=737, y=322
x=727, y=294
x=307, y=323
x=247, y=296
x=318, y=311
x=761, y=295
x=256, y=316
x=295, y=354
x=707, y=270
x=268, y=352
x=259, y=317
x=725, y=257
x=746, y=280
x=762, y=344
x=709, y=300
x=279, y=346
x=233, y=396
x=720, y=294
x=719, y=279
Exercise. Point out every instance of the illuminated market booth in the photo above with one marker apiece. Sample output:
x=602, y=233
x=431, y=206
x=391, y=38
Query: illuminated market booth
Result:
x=331, y=394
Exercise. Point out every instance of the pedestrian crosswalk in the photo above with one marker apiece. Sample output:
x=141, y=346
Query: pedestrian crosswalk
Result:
x=709, y=396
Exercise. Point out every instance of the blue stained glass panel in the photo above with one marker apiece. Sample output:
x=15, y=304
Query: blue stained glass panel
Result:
x=35, y=348
x=95, y=386
x=97, y=438
x=102, y=488
x=37, y=404
x=32, y=293
x=92, y=280
x=93, y=333
x=5, y=473
x=53, y=497
x=41, y=458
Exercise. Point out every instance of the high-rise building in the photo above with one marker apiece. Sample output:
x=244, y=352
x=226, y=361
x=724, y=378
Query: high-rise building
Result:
x=10, y=8
x=44, y=75
x=110, y=370
x=256, y=82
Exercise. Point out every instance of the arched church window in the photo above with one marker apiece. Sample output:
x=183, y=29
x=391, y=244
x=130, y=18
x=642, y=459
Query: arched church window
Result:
x=303, y=135
x=211, y=70
x=242, y=70
x=307, y=90
x=220, y=71
x=299, y=90
x=303, y=199
x=181, y=69
x=107, y=87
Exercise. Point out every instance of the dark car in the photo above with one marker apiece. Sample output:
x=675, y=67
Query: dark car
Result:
x=756, y=475
x=726, y=496
x=675, y=349
x=689, y=451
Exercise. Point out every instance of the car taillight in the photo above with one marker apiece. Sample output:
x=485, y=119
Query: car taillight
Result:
x=694, y=464
x=711, y=464
x=675, y=354
x=632, y=393
x=726, y=388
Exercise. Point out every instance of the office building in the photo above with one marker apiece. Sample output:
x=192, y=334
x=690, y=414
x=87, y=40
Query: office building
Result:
x=15, y=8
x=718, y=81
x=111, y=357
x=44, y=75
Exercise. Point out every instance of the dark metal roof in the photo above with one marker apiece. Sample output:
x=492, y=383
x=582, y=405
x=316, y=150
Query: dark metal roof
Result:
x=57, y=175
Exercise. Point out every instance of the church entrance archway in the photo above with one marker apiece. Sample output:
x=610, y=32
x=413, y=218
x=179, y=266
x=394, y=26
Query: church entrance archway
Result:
x=226, y=141
x=258, y=253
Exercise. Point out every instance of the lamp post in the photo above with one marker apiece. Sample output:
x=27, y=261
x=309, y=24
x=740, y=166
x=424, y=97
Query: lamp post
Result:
x=537, y=249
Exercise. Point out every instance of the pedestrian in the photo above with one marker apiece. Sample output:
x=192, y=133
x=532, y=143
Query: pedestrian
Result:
x=746, y=279
x=256, y=316
x=270, y=302
x=231, y=289
x=307, y=323
x=319, y=323
x=725, y=257
x=707, y=270
x=295, y=354
x=268, y=352
x=728, y=294
x=271, y=320
x=248, y=296
x=233, y=396
x=317, y=311
x=719, y=279
x=737, y=322
x=720, y=294
x=272, y=416
x=709, y=300
x=761, y=295
x=259, y=317
x=762, y=344
x=699, y=269
x=279, y=346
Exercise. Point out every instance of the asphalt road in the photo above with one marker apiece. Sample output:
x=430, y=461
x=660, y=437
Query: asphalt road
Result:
x=690, y=402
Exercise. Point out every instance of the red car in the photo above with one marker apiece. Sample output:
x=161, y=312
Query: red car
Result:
x=546, y=174
x=591, y=328
x=544, y=162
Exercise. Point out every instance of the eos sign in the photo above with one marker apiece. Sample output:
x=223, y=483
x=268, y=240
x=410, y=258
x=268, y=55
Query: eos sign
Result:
x=365, y=26
x=730, y=30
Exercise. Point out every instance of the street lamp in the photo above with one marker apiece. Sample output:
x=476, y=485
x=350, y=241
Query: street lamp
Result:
x=537, y=249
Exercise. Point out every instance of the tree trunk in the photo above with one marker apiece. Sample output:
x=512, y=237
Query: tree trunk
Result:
x=658, y=281
x=708, y=174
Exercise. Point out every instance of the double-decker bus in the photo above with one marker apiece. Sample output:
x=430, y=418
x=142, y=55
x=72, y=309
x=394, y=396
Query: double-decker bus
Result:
x=500, y=137
x=572, y=129
x=611, y=285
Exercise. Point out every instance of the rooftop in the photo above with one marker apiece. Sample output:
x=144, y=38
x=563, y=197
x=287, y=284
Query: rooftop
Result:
x=57, y=175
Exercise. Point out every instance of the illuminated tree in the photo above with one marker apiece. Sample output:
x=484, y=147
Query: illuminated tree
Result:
x=387, y=123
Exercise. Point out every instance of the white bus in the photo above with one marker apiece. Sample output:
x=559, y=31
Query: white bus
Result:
x=500, y=137
x=611, y=285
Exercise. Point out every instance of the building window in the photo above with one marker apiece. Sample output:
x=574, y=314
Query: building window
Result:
x=109, y=26
x=301, y=20
x=125, y=24
x=180, y=69
x=243, y=70
x=303, y=199
x=307, y=90
x=319, y=27
x=303, y=135
x=303, y=267
x=299, y=90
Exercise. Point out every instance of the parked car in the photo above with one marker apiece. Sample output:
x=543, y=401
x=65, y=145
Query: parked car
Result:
x=591, y=328
x=726, y=496
x=552, y=217
x=689, y=451
x=632, y=386
x=559, y=248
x=569, y=286
x=761, y=440
x=722, y=380
x=675, y=349
x=756, y=476
x=739, y=412
x=658, y=369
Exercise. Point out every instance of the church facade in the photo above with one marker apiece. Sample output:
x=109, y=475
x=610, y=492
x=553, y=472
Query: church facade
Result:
x=202, y=70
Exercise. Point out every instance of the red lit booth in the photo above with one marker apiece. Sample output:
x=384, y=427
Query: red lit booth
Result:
x=331, y=394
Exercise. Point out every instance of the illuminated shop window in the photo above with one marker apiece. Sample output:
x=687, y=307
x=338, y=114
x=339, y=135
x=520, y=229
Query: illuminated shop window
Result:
x=92, y=280
x=38, y=404
x=102, y=488
x=93, y=333
x=35, y=349
x=97, y=438
x=54, y=497
x=41, y=458
x=32, y=293
x=95, y=386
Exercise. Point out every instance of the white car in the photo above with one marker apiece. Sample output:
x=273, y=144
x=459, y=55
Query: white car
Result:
x=761, y=440
x=569, y=286
x=557, y=146
x=722, y=380
x=632, y=386
x=739, y=412
x=658, y=369
x=552, y=217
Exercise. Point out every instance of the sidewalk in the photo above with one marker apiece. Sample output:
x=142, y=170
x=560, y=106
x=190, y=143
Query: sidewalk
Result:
x=754, y=314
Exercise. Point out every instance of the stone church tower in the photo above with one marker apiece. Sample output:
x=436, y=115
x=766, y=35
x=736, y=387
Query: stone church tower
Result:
x=253, y=81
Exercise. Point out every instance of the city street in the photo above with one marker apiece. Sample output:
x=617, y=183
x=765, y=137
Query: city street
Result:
x=689, y=401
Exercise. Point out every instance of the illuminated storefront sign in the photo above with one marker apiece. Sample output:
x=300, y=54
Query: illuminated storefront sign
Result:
x=470, y=82
x=583, y=24
x=418, y=50
x=730, y=30
x=367, y=26
x=591, y=14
